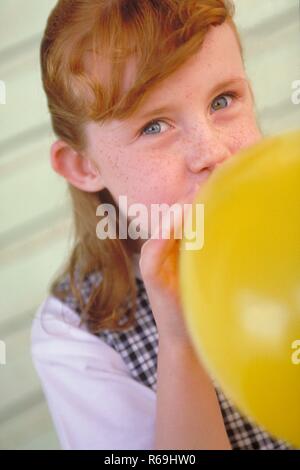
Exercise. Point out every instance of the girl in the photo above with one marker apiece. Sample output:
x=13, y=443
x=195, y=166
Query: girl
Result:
x=147, y=98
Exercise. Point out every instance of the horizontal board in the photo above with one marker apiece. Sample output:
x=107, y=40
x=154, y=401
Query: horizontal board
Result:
x=30, y=430
x=252, y=13
x=25, y=106
x=273, y=73
x=30, y=190
x=21, y=20
x=26, y=272
x=277, y=124
x=18, y=368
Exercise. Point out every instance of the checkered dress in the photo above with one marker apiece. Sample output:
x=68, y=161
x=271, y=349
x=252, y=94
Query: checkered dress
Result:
x=138, y=347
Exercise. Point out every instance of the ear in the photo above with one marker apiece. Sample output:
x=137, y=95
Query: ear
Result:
x=76, y=168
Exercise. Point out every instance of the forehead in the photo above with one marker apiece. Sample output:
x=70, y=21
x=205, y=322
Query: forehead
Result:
x=219, y=51
x=100, y=69
x=219, y=58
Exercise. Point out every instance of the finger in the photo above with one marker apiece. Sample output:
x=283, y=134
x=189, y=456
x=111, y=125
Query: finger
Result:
x=158, y=249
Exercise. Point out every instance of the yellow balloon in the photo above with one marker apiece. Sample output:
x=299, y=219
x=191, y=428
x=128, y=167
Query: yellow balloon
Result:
x=241, y=291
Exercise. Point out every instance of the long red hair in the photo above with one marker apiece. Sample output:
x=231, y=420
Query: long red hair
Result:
x=80, y=36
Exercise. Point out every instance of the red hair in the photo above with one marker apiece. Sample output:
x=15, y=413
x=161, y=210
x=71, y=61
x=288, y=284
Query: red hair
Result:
x=84, y=54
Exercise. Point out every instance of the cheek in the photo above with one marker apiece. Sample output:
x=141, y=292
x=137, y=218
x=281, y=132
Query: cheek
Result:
x=151, y=180
x=149, y=186
x=246, y=133
x=144, y=176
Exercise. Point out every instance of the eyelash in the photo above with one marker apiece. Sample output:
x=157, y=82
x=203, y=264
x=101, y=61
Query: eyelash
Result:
x=232, y=95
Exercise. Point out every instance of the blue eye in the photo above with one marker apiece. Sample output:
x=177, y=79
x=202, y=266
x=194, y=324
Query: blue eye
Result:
x=222, y=101
x=154, y=126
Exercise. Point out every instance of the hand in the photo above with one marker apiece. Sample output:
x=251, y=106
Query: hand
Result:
x=159, y=269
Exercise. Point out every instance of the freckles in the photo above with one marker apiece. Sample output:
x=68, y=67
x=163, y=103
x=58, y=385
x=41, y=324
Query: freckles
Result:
x=150, y=189
x=241, y=136
x=244, y=137
x=118, y=165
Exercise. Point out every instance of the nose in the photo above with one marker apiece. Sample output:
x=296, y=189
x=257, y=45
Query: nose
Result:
x=210, y=151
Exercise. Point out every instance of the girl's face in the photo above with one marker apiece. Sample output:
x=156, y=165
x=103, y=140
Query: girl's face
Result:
x=192, y=122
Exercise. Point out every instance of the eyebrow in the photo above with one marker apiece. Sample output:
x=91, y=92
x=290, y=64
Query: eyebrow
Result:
x=172, y=107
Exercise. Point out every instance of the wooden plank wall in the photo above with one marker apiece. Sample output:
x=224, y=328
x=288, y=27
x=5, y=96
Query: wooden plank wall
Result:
x=34, y=211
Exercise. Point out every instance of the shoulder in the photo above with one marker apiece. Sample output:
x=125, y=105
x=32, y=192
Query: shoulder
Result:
x=93, y=399
x=57, y=334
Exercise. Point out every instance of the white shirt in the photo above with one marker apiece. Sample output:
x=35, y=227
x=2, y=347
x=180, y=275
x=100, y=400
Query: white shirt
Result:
x=93, y=400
